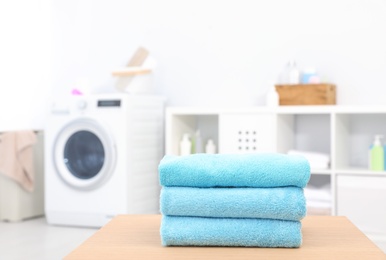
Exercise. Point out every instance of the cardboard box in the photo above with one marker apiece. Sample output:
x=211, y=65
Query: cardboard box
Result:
x=307, y=94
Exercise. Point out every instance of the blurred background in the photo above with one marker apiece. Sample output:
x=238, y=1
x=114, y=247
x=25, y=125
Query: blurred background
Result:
x=210, y=53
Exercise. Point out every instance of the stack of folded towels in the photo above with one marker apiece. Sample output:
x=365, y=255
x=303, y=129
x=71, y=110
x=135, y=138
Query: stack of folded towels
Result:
x=253, y=200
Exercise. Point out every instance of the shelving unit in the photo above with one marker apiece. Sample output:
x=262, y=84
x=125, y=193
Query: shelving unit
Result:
x=345, y=133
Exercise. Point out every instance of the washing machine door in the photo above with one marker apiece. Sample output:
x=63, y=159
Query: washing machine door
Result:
x=84, y=154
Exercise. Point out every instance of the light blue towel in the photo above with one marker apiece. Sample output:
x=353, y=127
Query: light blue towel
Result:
x=234, y=170
x=196, y=231
x=287, y=203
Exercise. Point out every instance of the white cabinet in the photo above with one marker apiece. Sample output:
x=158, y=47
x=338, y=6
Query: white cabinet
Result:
x=189, y=121
x=246, y=133
x=353, y=134
x=362, y=199
x=344, y=133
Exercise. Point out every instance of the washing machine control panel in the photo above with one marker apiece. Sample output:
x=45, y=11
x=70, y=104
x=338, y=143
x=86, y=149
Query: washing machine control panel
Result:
x=109, y=103
x=81, y=104
x=84, y=105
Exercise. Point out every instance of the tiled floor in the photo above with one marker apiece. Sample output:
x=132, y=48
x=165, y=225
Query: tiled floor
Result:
x=35, y=239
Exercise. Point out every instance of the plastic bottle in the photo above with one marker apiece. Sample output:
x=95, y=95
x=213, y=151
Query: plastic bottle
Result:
x=293, y=73
x=309, y=76
x=198, y=142
x=377, y=154
x=290, y=74
x=384, y=157
x=185, y=145
x=272, y=98
x=210, y=147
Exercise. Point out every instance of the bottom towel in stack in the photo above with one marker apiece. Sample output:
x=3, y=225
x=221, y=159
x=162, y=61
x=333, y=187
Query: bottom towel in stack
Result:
x=253, y=232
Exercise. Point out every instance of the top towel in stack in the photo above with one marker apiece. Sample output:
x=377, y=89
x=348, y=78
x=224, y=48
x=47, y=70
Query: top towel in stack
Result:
x=233, y=200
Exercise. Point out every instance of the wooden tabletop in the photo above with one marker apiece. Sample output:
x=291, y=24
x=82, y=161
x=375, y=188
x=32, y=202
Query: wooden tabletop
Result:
x=138, y=237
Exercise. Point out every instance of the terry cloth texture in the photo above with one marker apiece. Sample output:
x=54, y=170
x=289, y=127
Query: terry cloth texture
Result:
x=287, y=203
x=235, y=170
x=187, y=231
x=251, y=200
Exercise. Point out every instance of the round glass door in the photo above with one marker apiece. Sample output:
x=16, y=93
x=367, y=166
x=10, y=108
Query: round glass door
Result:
x=84, y=154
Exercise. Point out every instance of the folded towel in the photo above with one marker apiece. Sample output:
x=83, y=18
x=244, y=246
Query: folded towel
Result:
x=16, y=157
x=313, y=193
x=196, y=231
x=234, y=170
x=287, y=203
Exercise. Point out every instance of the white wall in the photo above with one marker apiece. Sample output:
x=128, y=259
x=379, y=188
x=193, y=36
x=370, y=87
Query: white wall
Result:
x=25, y=57
x=225, y=52
x=208, y=52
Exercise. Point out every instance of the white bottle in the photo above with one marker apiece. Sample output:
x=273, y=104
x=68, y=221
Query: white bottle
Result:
x=210, y=147
x=272, y=98
x=290, y=74
x=293, y=73
x=185, y=145
x=198, y=142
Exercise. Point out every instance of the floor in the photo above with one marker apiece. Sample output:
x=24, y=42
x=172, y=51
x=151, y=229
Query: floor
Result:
x=35, y=239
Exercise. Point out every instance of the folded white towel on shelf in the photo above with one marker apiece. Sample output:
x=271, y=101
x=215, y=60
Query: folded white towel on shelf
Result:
x=322, y=193
x=318, y=204
x=317, y=160
x=318, y=200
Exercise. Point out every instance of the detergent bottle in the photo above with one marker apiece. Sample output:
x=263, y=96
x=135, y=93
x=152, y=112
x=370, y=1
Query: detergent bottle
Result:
x=377, y=154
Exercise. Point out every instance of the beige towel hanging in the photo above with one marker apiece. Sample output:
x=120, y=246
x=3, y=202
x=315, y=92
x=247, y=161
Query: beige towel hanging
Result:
x=16, y=157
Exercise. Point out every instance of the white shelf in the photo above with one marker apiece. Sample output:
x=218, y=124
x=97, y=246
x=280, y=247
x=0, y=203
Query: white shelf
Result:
x=343, y=132
x=280, y=110
x=321, y=171
x=360, y=172
x=349, y=171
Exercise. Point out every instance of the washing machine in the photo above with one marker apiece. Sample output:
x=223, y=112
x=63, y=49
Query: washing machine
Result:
x=101, y=158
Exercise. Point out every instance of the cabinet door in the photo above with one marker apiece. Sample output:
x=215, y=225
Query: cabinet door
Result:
x=362, y=199
x=246, y=133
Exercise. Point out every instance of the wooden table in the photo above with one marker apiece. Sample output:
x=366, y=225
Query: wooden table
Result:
x=137, y=237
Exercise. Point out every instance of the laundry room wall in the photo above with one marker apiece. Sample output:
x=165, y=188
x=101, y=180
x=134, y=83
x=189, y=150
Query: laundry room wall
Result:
x=210, y=53
x=25, y=58
x=224, y=52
